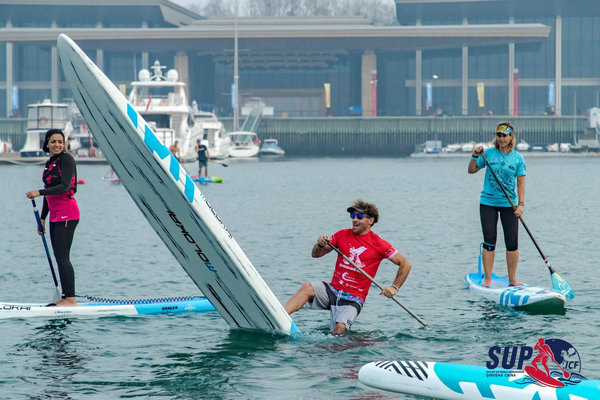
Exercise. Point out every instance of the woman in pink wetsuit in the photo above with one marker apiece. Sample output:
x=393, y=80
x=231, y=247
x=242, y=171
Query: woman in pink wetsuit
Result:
x=60, y=185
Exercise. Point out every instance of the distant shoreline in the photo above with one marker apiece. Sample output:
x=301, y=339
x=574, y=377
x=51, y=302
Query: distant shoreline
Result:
x=526, y=154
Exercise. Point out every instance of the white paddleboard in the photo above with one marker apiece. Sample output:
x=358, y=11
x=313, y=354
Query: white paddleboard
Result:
x=468, y=382
x=524, y=297
x=172, y=203
x=103, y=309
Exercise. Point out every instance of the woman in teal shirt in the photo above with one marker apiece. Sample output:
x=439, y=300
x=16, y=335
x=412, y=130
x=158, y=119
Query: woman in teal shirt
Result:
x=509, y=166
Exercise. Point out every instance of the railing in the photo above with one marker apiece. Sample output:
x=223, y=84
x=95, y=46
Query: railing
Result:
x=380, y=136
x=14, y=130
x=398, y=136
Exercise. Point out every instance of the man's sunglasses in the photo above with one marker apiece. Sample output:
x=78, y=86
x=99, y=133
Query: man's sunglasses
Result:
x=358, y=215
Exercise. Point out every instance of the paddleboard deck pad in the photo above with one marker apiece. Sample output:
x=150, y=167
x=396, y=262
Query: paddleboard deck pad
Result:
x=468, y=382
x=170, y=306
x=171, y=202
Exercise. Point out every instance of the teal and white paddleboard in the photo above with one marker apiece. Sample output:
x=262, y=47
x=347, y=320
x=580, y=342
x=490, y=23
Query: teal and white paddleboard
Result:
x=173, y=205
x=170, y=306
x=469, y=382
x=524, y=297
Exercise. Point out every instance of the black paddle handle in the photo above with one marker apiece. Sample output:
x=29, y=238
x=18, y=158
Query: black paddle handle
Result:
x=537, y=246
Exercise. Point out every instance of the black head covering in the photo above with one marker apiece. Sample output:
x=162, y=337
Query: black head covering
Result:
x=47, y=138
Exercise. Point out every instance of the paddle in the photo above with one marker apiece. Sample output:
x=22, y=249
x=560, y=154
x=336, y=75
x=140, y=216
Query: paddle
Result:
x=558, y=283
x=220, y=163
x=415, y=316
x=57, y=294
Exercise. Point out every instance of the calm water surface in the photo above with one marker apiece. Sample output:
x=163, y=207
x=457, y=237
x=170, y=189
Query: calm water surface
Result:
x=276, y=210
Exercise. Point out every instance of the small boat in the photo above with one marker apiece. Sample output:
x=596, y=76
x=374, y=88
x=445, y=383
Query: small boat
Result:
x=41, y=117
x=523, y=146
x=469, y=382
x=552, y=148
x=102, y=308
x=452, y=148
x=244, y=144
x=565, y=147
x=524, y=297
x=270, y=147
x=162, y=102
x=212, y=132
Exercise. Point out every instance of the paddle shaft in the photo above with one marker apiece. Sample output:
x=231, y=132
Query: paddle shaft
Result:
x=537, y=246
x=415, y=316
x=219, y=162
x=41, y=229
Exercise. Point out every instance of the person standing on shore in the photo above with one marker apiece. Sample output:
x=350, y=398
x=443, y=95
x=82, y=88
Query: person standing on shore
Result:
x=509, y=166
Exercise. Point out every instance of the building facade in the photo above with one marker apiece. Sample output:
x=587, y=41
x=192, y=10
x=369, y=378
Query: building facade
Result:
x=490, y=57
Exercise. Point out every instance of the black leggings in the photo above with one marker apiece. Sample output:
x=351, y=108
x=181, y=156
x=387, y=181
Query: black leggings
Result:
x=489, y=225
x=61, y=235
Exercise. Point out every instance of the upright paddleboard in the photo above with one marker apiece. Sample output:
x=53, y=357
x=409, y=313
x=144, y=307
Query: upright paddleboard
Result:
x=169, y=199
x=524, y=297
x=168, y=306
x=468, y=382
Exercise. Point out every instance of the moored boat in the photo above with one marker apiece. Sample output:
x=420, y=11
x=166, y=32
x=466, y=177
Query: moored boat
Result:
x=42, y=116
x=212, y=132
x=244, y=144
x=162, y=102
x=270, y=147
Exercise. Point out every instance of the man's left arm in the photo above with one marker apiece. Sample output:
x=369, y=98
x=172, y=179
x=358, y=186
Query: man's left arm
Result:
x=403, y=270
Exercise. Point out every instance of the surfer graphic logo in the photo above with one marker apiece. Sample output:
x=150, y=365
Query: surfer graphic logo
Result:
x=553, y=363
x=559, y=355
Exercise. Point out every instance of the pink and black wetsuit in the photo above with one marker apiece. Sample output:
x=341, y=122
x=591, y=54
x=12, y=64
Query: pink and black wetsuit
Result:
x=60, y=185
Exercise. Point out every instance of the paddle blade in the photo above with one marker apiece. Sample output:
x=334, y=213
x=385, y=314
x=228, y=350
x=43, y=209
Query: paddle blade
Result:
x=562, y=286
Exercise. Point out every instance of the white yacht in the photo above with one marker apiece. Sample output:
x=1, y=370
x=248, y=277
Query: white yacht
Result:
x=244, y=144
x=162, y=102
x=212, y=132
x=41, y=117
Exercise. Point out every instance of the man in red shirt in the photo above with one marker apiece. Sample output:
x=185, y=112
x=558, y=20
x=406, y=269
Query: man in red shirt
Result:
x=345, y=295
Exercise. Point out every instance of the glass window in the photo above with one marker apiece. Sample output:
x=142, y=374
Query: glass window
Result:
x=33, y=63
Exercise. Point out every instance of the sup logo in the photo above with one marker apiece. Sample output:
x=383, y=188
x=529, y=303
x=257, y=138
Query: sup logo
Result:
x=550, y=362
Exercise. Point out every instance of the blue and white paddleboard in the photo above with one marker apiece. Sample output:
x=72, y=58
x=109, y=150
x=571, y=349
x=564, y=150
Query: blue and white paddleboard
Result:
x=203, y=179
x=172, y=203
x=111, y=308
x=468, y=382
x=524, y=297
